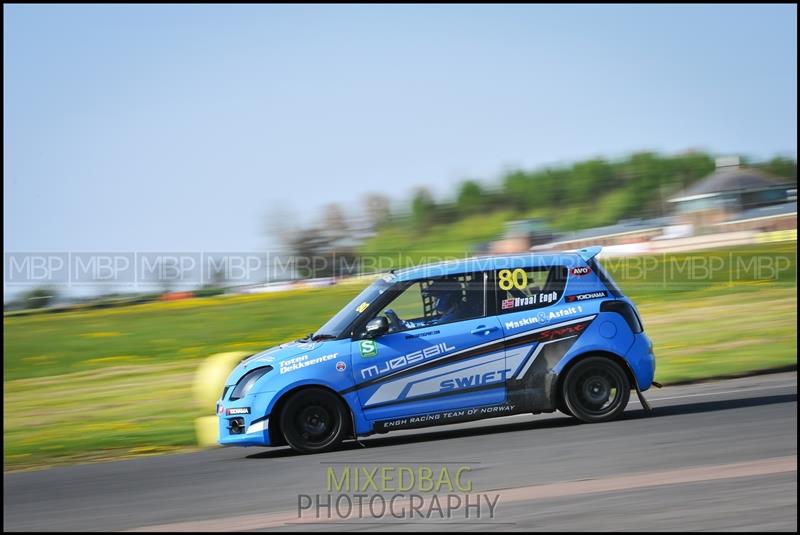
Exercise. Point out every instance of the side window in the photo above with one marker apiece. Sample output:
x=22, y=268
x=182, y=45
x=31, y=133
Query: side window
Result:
x=529, y=288
x=436, y=301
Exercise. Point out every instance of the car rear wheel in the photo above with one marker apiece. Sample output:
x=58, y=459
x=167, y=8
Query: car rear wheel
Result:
x=314, y=420
x=596, y=390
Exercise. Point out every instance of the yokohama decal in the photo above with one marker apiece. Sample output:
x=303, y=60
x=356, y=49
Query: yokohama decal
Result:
x=586, y=296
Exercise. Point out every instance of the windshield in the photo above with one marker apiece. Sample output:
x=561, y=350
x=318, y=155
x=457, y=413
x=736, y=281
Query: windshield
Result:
x=336, y=325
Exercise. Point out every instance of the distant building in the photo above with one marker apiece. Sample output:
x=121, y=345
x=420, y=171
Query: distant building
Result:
x=726, y=193
x=764, y=219
x=520, y=236
x=625, y=232
x=732, y=199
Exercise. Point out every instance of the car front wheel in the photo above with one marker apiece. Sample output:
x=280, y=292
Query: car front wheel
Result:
x=314, y=420
x=596, y=390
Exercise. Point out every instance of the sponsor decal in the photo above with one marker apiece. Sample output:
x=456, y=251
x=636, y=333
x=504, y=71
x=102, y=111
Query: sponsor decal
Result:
x=420, y=335
x=263, y=356
x=341, y=366
x=535, y=299
x=368, y=348
x=237, y=411
x=580, y=271
x=473, y=380
x=439, y=418
x=398, y=363
x=362, y=307
x=560, y=332
x=220, y=408
x=303, y=361
x=544, y=317
x=584, y=297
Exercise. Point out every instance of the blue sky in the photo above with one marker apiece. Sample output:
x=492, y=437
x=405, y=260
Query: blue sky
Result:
x=186, y=128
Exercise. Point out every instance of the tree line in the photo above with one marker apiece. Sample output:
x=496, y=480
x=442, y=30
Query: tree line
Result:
x=641, y=181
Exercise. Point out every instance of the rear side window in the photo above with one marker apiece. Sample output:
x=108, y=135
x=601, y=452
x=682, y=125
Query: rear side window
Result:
x=529, y=288
x=605, y=277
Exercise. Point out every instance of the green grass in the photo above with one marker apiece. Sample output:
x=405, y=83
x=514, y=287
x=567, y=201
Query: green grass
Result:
x=117, y=382
x=151, y=334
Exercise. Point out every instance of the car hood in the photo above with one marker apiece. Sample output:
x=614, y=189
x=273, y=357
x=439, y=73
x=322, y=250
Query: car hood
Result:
x=272, y=357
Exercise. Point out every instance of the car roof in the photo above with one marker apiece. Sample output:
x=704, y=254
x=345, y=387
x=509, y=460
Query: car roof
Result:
x=484, y=263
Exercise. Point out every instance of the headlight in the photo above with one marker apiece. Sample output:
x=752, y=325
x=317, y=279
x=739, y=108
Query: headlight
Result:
x=247, y=381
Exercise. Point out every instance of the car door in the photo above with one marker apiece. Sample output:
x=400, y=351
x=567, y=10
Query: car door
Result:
x=538, y=326
x=432, y=361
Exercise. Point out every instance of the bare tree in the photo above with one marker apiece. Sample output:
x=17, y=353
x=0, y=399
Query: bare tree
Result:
x=334, y=223
x=377, y=209
x=279, y=226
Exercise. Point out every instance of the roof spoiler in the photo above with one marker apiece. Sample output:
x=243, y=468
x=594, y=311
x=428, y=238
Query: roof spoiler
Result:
x=587, y=253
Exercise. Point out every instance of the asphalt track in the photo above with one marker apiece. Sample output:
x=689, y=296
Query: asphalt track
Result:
x=713, y=456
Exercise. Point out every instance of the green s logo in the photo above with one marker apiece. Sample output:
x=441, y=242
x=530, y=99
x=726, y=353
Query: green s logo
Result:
x=368, y=348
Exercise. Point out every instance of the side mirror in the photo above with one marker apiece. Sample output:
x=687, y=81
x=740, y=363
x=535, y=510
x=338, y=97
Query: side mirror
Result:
x=377, y=326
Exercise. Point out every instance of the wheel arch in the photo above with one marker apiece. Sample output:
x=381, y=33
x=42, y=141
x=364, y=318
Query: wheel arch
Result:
x=276, y=437
x=558, y=394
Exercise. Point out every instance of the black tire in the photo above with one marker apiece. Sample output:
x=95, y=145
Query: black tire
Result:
x=314, y=420
x=596, y=389
x=562, y=406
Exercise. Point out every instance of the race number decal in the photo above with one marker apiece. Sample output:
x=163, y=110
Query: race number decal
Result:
x=513, y=279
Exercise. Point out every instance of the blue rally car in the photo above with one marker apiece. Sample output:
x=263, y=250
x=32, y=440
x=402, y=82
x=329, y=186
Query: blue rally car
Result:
x=445, y=343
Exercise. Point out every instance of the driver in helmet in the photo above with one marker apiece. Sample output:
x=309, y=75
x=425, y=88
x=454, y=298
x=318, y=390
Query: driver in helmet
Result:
x=447, y=298
x=447, y=304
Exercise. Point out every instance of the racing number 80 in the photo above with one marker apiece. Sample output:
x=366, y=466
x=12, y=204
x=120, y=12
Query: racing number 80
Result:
x=513, y=279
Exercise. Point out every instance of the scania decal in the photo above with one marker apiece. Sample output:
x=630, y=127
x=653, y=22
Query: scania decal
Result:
x=473, y=380
x=237, y=411
x=580, y=271
x=341, y=366
x=402, y=361
x=303, y=361
x=543, y=317
x=584, y=297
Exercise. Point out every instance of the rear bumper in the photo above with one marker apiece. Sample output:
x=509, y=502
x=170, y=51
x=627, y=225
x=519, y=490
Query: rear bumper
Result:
x=642, y=360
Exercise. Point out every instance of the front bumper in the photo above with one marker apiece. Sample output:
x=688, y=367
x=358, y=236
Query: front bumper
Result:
x=245, y=429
